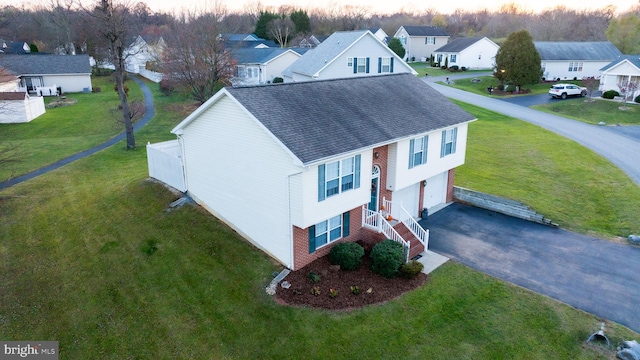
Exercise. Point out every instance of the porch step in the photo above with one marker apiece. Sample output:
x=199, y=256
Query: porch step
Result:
x=416, y=246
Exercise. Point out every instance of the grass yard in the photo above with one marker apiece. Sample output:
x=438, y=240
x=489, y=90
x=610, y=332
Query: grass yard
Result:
x=609, y=111
x=423, y=69
x=566, y=182
x=64, y=131
x=90, y=257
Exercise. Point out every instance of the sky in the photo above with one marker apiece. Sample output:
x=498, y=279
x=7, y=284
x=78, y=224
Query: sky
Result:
x=376, y=6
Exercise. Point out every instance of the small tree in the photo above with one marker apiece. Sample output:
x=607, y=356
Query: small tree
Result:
x=627, y=89
x=396, y=46
x=518, y=61
x=591, y=84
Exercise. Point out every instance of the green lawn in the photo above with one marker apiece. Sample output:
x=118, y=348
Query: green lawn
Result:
x=64, y=131
x=566, y=182
x=90, y=257
x=486, y=81
x=425, y=69
x=593, y=112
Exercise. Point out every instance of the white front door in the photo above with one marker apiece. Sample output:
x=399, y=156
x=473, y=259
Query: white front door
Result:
x=408, y=197
x=435, y=192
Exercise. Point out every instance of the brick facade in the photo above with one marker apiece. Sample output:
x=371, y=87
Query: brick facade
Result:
x=381, y=161
x=450, y=178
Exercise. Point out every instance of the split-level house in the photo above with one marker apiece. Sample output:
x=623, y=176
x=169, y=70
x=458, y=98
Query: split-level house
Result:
x=625, y=69
x=574, y=60
x=144, y=50
x=420, y=42
x=473, y=53
x=347, y=54
x=298, y=167
x=260, y=66
x=39, y=72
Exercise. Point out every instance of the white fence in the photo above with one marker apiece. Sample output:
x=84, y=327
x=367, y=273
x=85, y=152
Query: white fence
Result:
x=151, y=75
x=165, y=163
x=21, y=111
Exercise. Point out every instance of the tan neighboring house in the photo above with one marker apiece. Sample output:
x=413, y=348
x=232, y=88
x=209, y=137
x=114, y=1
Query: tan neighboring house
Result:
x=420, y=42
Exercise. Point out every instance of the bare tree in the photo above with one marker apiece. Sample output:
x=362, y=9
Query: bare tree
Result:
x=627, y=89
x=281, y=29
x=198, y=60
x=110, y=18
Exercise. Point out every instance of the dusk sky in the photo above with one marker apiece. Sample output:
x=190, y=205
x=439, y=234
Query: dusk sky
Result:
x=377, y=6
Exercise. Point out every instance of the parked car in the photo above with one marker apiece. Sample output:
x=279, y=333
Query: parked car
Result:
x=564, y=90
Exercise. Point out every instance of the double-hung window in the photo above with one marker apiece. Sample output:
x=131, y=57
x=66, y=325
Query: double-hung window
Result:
x=418, y=151
x=349, y=62
x=328, y=231
x=453, y=58
x=448, y=142
x=360, y=65
x=430, y=40
x=338, y=176
x=385, y=65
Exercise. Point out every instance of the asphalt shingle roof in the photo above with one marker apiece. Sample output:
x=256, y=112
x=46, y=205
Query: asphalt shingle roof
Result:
x=314, y=60
x=459, y=44
x=425, y=31
x=634, y=59
x=321, y=119
x=257, y=56
x=40, y=64
x=578, y=50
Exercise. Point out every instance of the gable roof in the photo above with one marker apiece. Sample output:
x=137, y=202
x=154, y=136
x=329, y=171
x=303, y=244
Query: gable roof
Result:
x=459, y=44
x=425, y=31
x=41, y=64
x=257, y=44
x=314, y=60
x=633, y=59
x=14, y=47
x=258, y=56
x=322, y=119
x=577, y=50
x=240, y=37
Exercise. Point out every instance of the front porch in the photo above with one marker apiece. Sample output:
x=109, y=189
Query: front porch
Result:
x=403, y=229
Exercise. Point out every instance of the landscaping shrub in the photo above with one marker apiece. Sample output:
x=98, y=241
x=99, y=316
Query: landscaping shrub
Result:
x=347, y=254
x=464, y=68
x=386, y=258
x=166, y=87
x=454, y=68
x=411, y=269
x=610, y=94
x=277, y=80
x=637, y=99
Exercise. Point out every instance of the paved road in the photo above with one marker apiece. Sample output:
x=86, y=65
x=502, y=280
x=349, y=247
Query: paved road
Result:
x=620, y=148
x=148, y=115
x=595, y=275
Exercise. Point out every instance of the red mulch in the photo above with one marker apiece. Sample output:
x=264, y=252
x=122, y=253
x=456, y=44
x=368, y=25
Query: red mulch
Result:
x=374, y=289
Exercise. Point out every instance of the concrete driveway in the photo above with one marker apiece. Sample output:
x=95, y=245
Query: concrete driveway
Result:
x=595, y=275
x=618, y=147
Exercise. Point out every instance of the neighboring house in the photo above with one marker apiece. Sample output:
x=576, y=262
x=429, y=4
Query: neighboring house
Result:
x=261, y=66
x=254, y=44
x=472, y=53
x=8, y=81
x=574, y=60
x=14, y=47
x=72, y=73
x=19, y=107
x=295, y=168
x=240, y=37
x=312, y=41
x=380, y=34
x=145, y=49
x=347, y=54
x=625, y=68
x=420, y=42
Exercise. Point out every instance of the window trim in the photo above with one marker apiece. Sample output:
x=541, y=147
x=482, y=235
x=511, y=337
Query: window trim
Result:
x=323, y=180
x=454, y=137
x=422, y=151
x=344, y=231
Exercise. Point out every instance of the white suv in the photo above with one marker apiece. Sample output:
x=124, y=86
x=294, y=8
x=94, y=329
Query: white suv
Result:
x=564, y=90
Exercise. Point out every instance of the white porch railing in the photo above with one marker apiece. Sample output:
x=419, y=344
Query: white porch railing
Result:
x=376, y=221
x=409, y=222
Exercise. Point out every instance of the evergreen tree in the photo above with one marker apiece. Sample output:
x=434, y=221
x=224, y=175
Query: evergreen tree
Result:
x=396, y=46
x=301, y=21
x=262, y=25
x=518, y=61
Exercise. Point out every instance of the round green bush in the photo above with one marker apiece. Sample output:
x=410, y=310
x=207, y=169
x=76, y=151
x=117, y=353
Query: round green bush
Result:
x=347, y=254
x=278, y=80
x=411, y=269
x=637, y=99
x=610, y=94
x=386, y=258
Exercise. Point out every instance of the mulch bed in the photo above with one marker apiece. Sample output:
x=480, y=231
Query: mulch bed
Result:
x=374, y=289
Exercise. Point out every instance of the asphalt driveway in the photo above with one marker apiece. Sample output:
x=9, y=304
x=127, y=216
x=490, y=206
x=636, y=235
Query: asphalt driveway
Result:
x=595, y=275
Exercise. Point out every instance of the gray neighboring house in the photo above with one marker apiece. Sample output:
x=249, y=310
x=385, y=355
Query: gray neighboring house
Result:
x=72, y=73
x=421, y=42
x=575, y=59
x=258, y=66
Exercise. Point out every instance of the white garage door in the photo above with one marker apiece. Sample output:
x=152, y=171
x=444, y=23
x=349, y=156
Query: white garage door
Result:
x=435, y=192
x=409, y=197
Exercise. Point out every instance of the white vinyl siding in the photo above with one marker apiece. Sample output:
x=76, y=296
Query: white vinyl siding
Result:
x=448, y=142
x=418, y=151
x=239, y=173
